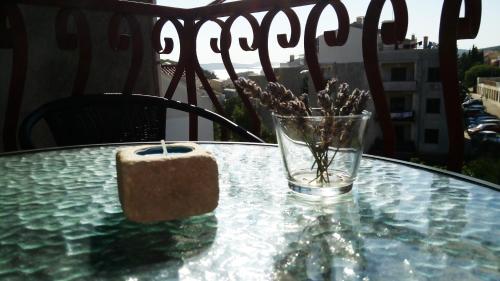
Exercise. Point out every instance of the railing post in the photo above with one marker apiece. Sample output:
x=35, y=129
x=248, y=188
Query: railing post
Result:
x=189, y=39
x=80, y=40
x=451, y=29
x=391, y=33
x=14, y=37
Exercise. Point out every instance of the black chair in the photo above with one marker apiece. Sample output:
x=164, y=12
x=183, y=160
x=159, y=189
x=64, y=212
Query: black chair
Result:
x=113, y=118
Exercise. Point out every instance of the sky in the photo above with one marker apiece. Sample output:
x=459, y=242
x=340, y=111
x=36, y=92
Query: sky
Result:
x=424, y=17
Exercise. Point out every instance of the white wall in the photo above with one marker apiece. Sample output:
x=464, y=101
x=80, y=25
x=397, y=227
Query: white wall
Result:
x=177, y=128
x=351, y=51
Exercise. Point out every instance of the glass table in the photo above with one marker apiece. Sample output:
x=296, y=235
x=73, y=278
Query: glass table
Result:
x=60, y=218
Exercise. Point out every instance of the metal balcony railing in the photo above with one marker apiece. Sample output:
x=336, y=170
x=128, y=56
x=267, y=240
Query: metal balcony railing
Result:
x=403, y=116
x=187, y=22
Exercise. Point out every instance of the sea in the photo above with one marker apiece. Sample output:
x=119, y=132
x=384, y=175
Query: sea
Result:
x=222, y=73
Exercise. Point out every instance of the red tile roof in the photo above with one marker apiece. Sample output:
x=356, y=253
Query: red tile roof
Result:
x=169, y=71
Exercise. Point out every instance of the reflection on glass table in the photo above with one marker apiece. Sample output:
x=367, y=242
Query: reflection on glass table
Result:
x=60, y=218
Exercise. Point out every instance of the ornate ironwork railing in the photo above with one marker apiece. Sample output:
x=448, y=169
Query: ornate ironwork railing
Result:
x=187, y=23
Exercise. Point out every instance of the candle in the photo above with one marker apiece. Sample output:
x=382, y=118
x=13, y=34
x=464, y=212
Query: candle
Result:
x=164, y=146
x=153, y=187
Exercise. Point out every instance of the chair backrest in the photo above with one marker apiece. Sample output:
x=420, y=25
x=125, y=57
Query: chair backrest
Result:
x=112, y=118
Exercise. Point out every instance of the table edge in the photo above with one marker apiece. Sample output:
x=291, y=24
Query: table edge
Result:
x=369, y=156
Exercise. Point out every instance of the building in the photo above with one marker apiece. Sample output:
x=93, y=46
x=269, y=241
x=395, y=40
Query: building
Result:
x=492, y=58
x=410, y=73
x=350, y=52
x=489, y=90
x=414, y=94
x=293, y=75
x=298, y=61
x=177, y=121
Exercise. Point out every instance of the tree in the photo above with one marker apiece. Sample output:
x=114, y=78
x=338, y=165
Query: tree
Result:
x=463, y=91
x=476, y=56
x=209, y=74
x=483, y=70
x=235, y=110
x=467, y=60
x=462, y=66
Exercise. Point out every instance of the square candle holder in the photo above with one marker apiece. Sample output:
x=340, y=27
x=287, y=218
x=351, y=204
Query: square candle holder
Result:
x=155, y=187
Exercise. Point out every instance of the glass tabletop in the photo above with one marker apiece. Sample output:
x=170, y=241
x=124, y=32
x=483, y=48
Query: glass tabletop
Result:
x=60, y=218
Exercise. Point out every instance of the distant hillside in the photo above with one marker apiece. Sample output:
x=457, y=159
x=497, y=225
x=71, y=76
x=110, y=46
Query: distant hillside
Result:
x=465, y=51
x=462, y=51
x=216, y=66
x=495, y=48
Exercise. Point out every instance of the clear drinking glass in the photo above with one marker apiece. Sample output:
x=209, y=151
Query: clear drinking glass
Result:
x=321, y=154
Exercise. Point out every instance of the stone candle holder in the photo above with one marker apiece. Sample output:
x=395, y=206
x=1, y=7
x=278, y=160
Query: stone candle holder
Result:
x=154, y=187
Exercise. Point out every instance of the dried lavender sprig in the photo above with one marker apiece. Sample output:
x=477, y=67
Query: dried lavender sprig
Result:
x=280, y=92
x=341, y=97
x=249, y=87
x=333, y=101
x=360, y=105
x=277, y=98
x=253, y=90
x=347, y=106
x=326, y=97
x=305, y=99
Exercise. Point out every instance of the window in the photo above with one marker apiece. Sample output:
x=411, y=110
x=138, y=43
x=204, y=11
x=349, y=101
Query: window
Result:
x=433, y=106
x=398, y=74
x=433, y=74
x=398, y=104
x=431, y=136
x=400, y=133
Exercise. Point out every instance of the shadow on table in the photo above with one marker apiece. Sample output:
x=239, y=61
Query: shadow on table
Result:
x=324, y=239
x=122, y=246
x=346, y=239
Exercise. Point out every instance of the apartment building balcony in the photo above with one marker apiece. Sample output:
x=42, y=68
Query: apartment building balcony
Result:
x=433, y=86
x=407, y=86
x=403, y=116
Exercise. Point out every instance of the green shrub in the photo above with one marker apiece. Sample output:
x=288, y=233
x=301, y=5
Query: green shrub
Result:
x=482, y=70
x=235, y=110
x=485, y=168
x=468, y=60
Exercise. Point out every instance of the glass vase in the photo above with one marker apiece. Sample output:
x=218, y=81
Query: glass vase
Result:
x=321, y=154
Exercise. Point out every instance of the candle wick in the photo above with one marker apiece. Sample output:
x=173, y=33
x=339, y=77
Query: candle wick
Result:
x=164, y=146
